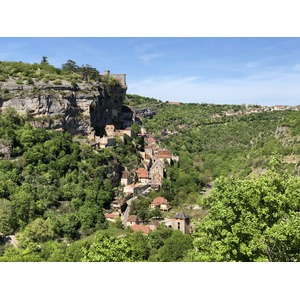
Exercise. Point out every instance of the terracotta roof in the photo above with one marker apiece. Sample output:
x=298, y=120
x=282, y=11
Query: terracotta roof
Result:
x=111, y=216
x=137, y=227
x=160, y=200
x=148, y=147
x=155, y=223
x=132, y=218
x=119, y=202
x=164, y=154
x=151, y=140
x=142, y=173
x=125, y=174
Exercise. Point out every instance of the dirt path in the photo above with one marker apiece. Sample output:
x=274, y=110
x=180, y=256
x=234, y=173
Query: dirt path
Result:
x=12, y=239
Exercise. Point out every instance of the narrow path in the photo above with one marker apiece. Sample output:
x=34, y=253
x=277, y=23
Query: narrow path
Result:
x=126, y=213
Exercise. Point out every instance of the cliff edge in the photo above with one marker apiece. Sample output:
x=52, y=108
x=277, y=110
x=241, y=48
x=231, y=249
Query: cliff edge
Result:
x=66, y=106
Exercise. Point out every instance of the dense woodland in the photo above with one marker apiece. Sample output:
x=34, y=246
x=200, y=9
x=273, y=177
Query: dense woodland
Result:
x=53, y=189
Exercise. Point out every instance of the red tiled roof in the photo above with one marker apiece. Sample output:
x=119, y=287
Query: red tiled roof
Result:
x=160, y=200
x=137, y=227
x=164, y=154
x=125, y=174
x=132, y=218
x=151, y=140
x=142, y=173
x=111, y=216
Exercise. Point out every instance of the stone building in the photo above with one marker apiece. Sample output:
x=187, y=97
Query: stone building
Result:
x=109, y=129
x=181, y=221
x=162, y=203
x=126, y=178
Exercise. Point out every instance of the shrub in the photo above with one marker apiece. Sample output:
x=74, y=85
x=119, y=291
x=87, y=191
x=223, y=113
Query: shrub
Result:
x=45, y=80
x=57, y=82
x=19, y=81
x=29, y=80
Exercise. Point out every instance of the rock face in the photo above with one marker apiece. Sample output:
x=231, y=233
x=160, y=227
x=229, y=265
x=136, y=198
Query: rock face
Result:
x=5, y=149
x=65, y=107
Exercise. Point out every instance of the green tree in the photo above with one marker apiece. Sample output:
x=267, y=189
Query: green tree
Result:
x=250, y=220
x=136, y=128
x=6, y=213
x=109, y=249
x=175, y=248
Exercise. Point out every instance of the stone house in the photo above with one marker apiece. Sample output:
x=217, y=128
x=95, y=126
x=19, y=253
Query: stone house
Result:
x=149, y=150
x=143, y=175
x=107, y=141
x=111, y=217
x=126, y=178
x=134, y=189
x=132, y=220
x=164, y=154
x=154, y=224
x=150, y=140
x=181, y=221
x=109, y=129
x=162, y=203
x=119, y=205
x=157, y=170
x=279, y=107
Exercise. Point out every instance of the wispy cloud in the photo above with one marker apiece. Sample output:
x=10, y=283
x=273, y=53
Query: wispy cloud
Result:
x=147, y=58
x=8, y=49
x=251, y=65
x=265, y=88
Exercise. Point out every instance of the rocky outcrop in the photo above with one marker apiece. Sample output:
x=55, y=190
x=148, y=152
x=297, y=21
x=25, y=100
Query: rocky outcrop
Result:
x=5, y=149
x=70, y=108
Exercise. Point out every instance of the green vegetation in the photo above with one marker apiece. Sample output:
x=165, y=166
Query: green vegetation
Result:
x=251, y=220
x=31, y=73
x=53, y=191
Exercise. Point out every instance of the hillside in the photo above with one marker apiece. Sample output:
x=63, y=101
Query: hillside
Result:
x=65, y=194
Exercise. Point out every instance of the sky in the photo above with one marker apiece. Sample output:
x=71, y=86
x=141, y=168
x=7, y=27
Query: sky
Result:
x=220, y=70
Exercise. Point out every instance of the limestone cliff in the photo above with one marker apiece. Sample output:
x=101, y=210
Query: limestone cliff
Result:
x=72, y=108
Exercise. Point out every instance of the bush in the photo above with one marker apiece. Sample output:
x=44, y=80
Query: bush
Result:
x=29, y=80
x=45, y=80
x=19, y=81
x=57, y=82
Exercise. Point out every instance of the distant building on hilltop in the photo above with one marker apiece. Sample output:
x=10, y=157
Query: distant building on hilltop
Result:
x=120, y=77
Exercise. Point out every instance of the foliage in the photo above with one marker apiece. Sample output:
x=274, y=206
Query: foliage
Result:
x=250, y=220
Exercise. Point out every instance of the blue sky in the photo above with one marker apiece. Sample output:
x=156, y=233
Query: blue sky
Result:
x=265, y=71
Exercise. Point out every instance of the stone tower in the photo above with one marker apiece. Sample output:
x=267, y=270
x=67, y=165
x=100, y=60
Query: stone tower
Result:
x=181, y=221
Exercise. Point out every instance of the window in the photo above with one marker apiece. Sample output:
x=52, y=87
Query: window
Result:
x=178, y=225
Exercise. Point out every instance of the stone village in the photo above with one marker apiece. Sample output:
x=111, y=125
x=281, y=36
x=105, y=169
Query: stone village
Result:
x=146, y=178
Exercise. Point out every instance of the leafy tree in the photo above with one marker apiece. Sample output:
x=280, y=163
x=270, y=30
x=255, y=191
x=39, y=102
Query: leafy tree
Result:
x=250, y=220
x=6, y=213
x=70, y=66
x=45, y=60
x=135, y=127
x=175, y=247
x=109, y=249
